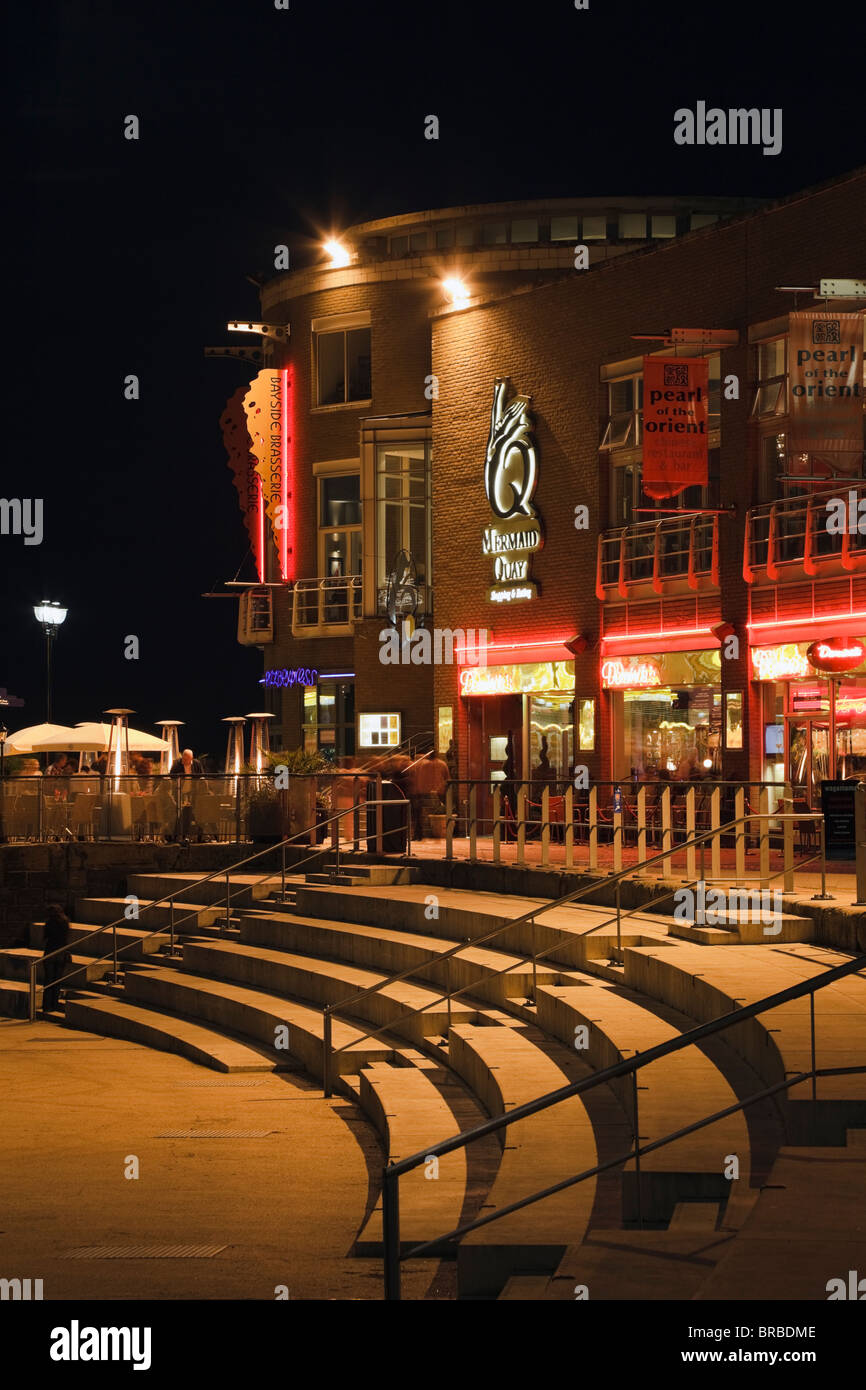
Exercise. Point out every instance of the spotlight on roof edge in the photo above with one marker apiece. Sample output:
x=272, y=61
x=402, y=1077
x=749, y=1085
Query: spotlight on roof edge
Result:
x=338, y=253
x=456, y=291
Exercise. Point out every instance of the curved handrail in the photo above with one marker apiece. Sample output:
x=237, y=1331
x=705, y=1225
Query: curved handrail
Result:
x=169, y=898
x=628, y=1066
x=329, y=1009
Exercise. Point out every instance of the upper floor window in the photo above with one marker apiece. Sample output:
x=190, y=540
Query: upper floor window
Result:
x=564, y=228
x=342, y=359
x=624, y=413
x=524, y=229
x=403, y=510
x=339, y=525
x=771, y=396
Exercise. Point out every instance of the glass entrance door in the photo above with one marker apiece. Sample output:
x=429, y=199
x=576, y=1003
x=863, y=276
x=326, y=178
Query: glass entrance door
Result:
x=809, y=761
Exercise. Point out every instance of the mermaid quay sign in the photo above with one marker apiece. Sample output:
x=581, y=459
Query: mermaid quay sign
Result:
x=510, y=477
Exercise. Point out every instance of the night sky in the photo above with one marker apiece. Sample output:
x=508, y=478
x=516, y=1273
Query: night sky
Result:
x=261, y=126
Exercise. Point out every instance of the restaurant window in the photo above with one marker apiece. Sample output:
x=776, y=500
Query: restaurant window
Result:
x=671, y=734
x=734, y=719
x=339, y=525
x=444, y=237
x=403, y=511
x=586, y=725
x=342, y=360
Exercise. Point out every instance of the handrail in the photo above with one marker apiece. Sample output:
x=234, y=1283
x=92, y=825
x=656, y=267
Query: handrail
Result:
x=328, y=1053
x=628, y=1066
x=187, y=888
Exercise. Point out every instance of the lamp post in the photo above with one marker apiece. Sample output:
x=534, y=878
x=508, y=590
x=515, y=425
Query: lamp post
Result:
x=49, y=615
x=4, y=733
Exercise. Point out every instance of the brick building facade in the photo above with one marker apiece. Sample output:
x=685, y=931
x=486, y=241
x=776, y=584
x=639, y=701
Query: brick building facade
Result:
x=630, y=583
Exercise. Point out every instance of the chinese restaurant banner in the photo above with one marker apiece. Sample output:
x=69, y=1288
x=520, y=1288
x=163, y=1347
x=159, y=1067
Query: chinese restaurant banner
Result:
x=233, y=423
x=675, y=424
x=266, y=407
x=825, y=388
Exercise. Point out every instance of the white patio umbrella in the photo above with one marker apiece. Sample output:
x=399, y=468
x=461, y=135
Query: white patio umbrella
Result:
x=95, y=736
x=40, y=738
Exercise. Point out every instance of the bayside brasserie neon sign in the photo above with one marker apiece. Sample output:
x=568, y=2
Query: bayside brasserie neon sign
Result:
x=510, y=478
x=296, y=675
x=621, y=674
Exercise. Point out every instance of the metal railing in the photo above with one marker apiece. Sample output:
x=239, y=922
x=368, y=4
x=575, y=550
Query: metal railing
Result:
x=329, y=1053
x=326, y=604
x=394, y=1255
x=170, y=899
x=796, y=533
x=654, y=552
x=624, y=817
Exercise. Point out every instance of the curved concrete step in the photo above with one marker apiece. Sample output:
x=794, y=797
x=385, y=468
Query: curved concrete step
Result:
x=381, y=948
x=15, y=999
x=188, y=917
x=118, y=1018
x=410, y=1112
x=15, y=964
x=708, y=982
x=329, y=982
x=245, y=888
x=264, y=1018
x=673, y=1092
x=138, y=940
x=505, y=1067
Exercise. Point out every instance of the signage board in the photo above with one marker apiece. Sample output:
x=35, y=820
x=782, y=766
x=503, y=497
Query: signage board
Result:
x=510, y=477
x=838, y=800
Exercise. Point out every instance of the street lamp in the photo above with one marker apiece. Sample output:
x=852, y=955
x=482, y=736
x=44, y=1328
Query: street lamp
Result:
x=49, y=615
x=4, y=734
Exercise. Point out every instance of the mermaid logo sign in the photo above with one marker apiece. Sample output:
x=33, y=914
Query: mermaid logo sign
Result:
x=510, y=477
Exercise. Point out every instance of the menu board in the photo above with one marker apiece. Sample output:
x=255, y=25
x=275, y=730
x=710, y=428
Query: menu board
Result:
x=837, y=805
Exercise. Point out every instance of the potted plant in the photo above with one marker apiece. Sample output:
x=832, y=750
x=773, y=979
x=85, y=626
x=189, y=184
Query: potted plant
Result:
x=436, y=817
x=299, y=801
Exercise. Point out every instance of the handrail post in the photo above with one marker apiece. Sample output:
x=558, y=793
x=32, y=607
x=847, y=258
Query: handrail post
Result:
x=740, y=837
x=592, y=814
x=114, y=935
x=823, y=896
x=34, y=966
x=716, y=841
x=690, y=834
x=534, y=926
x=788, y=837
x=812, y=1030
x=764, y=834
x=391, y=1234
x=449, y=821
x=497, y=823
x=326, y=1051
x=637, y=1149
x=171, y=922
x=616, y=818
x=641, y=825
x=473, y=823
x=283, y=871
x=569, y=827
x=618, y=923
x=667, y=837
x=356, y=816
x=545, y=827
x=520, y=858
x=228, y=898
x=379, y=818
x=448, y=988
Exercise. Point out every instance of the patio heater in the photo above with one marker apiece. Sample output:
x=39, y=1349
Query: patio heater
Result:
x=169, y=733
x=235, y=746
x=119, y=807
x=260, y=743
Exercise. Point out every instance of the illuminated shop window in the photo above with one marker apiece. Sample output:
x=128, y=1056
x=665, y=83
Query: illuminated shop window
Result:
x=734, y=719
x=586, y=725
x=632, y=225
x=594, y=228
x=379, y=730
x=664, y=225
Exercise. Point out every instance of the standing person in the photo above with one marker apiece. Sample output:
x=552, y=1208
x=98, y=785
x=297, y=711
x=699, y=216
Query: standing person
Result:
x=56, y=936
x=184, y=768
x=509, y=788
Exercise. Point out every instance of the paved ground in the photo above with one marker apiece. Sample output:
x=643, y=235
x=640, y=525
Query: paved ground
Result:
x=287, y=1207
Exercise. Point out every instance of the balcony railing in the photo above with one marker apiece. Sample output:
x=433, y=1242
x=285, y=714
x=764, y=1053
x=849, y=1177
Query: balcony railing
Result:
x=684, y=548
x=326, y=606
x=800, y=535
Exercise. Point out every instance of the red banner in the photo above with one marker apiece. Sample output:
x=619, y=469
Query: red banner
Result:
x=675, y=424
x=233, y=423
x=825, y=390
